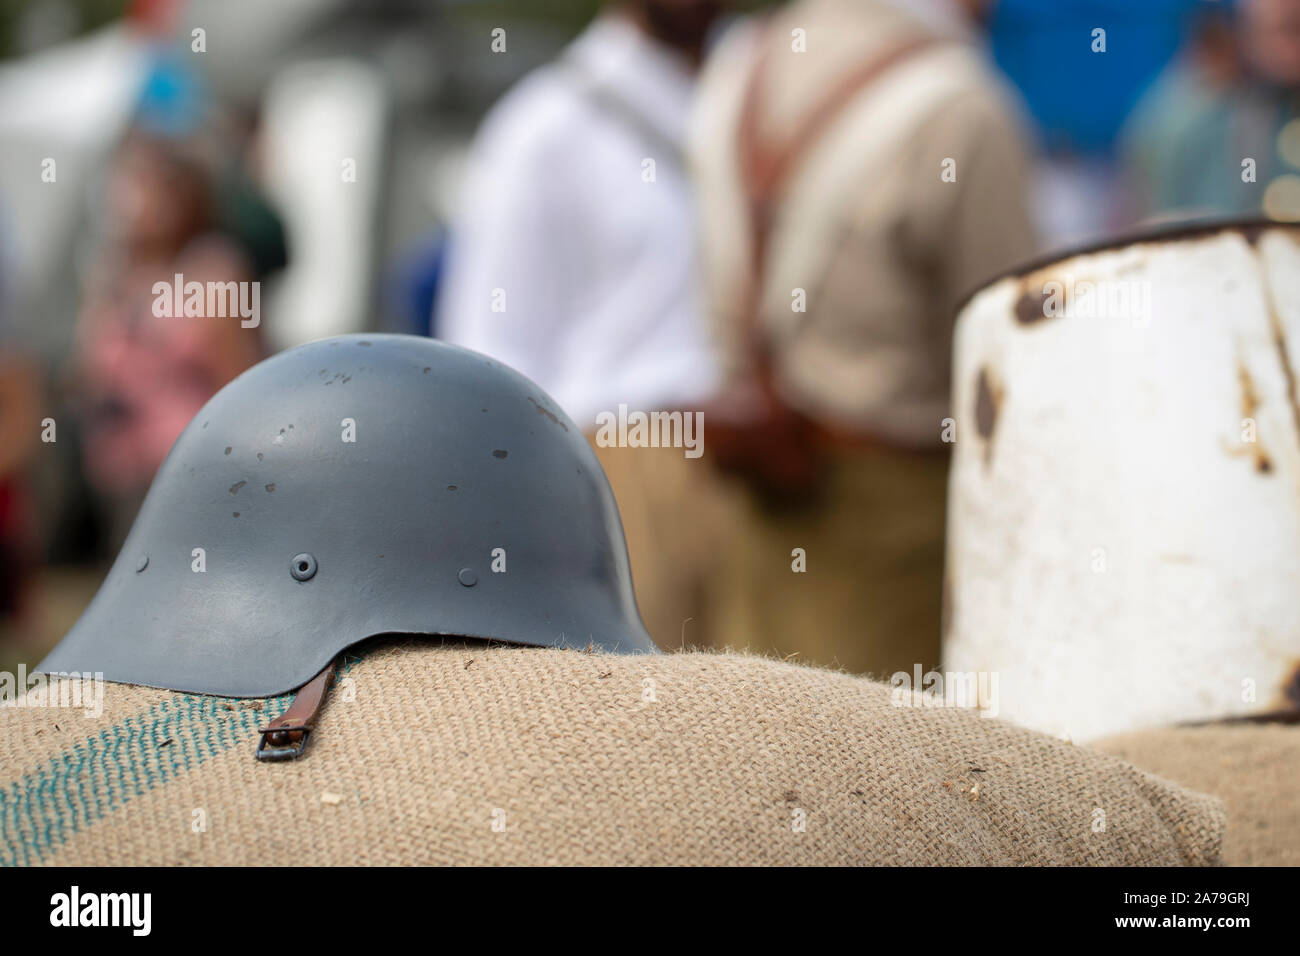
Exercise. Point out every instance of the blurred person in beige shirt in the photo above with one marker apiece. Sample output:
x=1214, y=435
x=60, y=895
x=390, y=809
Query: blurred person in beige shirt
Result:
x=860, y=169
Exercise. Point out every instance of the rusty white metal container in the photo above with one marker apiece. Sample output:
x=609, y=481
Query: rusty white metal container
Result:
x=1124, y=508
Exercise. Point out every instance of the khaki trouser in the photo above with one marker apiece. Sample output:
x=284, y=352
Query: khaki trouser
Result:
x=676, y=518
x=870, y=598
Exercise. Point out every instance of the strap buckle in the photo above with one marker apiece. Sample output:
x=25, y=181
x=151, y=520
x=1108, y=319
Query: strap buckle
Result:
x=286, y=736
x=278, y=743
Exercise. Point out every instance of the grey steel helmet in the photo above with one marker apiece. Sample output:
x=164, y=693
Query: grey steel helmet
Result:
x=352, y=487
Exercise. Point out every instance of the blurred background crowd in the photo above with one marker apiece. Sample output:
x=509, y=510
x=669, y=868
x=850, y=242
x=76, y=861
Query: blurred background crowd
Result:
x=767, y=212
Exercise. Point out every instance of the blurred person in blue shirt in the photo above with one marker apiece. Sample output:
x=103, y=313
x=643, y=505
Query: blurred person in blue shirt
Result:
x=1219, y=132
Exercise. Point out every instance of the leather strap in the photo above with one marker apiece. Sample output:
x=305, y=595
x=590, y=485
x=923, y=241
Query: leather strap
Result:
x=765, y=167
x=285, y=738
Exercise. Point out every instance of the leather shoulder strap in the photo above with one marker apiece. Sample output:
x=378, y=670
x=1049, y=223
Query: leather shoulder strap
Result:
x=765, y=167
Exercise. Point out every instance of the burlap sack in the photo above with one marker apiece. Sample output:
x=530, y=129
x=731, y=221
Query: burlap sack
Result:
x=1254, y=768
x=473, y=755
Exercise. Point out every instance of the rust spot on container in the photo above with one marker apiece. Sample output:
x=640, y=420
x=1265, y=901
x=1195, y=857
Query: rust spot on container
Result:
x=234, y=489
x=1279, y=338
x=1031, y=306
x=1291, y=688
x=988, y=402
x=1252, y=231
x=500, y=453
x=1249, y=406
x=986, y=408
x=1249, y=398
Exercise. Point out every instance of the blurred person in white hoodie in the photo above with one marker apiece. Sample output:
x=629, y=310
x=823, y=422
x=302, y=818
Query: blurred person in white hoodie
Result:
x=574, y=261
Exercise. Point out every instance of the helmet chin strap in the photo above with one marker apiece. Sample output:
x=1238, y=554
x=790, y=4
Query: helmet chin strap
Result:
x=285, y=738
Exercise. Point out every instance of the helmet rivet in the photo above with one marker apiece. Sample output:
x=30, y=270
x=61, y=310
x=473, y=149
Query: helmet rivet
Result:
x=303, y=567
x=467, y=577
x=141, y=563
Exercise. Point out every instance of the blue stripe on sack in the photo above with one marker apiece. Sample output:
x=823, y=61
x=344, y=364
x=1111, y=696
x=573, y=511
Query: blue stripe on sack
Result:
x=41, y=810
